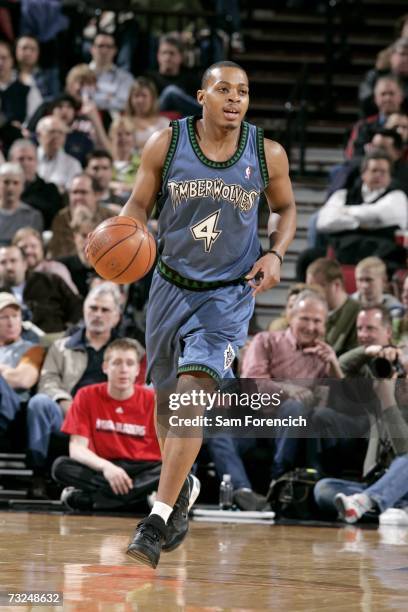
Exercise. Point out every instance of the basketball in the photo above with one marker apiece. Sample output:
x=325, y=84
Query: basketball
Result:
x=121, y=250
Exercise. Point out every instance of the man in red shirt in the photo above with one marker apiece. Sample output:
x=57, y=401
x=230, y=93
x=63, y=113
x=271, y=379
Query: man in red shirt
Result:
x=114, y=457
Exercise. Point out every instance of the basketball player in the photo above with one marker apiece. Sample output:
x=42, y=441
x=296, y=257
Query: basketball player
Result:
x=206, y=175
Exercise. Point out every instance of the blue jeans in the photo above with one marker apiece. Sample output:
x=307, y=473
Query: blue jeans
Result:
x=44, y=417
x=226, y=453
x=287, y=448
x=388, y=491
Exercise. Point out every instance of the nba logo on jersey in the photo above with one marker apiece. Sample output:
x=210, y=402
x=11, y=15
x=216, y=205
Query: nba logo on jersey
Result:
x=248, y=173
x=229, y=355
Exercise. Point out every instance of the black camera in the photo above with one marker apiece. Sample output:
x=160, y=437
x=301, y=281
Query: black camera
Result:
x=383, y=368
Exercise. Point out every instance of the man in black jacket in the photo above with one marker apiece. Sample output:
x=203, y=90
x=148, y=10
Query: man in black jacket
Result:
x=45, y=297
x=43, y=196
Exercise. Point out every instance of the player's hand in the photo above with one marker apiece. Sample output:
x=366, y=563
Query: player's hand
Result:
x=118, y=479
x=265, y=273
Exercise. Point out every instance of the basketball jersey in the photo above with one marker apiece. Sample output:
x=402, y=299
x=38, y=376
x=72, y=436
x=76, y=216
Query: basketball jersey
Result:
x=208, y=223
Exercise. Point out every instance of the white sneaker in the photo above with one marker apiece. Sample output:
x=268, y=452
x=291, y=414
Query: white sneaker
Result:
x=352, y=507
x=394, y=516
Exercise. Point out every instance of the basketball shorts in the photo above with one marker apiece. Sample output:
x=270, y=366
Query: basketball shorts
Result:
x=190, y=331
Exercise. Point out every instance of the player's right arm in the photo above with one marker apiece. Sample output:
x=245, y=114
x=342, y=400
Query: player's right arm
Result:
x=149, y=177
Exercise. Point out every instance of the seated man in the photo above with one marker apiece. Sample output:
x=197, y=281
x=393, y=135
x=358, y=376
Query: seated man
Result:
x=362, y=222
x=296, y=353
x=341, y=322
x=54, y=165
x=31, y=243
x=14, y=213
x=371, y=280
x=17, y=100
x=112, y=83
x=176, y=85
x=82, y=193
x=45, y=298
x=99, y=165
x=20, y=363
x=114, y=456
x=71, y=363
x=388, y=97
x=42, y=196
x=387, y=459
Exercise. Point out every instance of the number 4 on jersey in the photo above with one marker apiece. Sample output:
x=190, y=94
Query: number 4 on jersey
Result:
x=206, y=230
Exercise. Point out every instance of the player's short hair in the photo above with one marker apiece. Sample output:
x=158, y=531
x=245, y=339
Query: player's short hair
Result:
x=223, y=64
x=124, y=344
x=372, y=263
x=329, y=268
x=309, y=294
x=386, y=318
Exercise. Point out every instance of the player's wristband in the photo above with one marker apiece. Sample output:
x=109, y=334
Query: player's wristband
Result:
x=278, y=255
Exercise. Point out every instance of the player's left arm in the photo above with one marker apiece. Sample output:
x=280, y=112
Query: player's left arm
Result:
x=279, y=195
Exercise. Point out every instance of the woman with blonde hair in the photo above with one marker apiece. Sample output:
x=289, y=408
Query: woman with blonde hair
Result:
x=142, y=108
x=126, y=160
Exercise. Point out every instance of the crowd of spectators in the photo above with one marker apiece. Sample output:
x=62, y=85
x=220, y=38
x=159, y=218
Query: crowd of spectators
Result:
x=68, y=371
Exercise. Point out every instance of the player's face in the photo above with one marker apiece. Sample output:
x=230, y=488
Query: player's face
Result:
x=226, y=97
x=371, y=329
x=10, y=324
x=121, y=368
x=308, y=322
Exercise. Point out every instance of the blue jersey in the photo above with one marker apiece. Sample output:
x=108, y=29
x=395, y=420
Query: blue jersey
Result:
x=208, y=223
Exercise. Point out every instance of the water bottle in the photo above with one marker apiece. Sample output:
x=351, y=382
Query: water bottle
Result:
x=226, y=493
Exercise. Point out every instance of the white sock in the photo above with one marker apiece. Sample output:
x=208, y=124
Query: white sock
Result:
x=162, y=510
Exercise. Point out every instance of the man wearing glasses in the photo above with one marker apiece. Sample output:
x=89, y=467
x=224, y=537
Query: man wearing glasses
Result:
x=112, y=83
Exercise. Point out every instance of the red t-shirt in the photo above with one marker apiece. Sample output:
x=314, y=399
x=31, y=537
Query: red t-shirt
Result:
x=116, y=429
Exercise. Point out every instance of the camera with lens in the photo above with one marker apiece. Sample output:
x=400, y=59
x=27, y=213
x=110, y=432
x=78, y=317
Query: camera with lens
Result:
x=383, y=368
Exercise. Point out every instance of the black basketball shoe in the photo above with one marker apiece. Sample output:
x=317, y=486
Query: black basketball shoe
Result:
x=147, y=541
x=177, y=525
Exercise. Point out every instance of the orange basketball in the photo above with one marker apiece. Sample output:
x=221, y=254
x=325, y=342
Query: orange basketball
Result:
x=121, y=250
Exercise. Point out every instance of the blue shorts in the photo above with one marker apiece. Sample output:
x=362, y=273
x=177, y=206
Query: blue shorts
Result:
x=195, y=330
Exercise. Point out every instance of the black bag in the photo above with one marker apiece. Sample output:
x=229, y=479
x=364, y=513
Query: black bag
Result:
x=291, y=496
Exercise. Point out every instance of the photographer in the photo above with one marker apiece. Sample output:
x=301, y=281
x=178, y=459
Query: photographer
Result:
x=388, y=439
x=374, y=336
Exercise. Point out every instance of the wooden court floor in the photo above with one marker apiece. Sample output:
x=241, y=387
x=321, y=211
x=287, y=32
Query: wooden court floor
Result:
x=219, y=567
